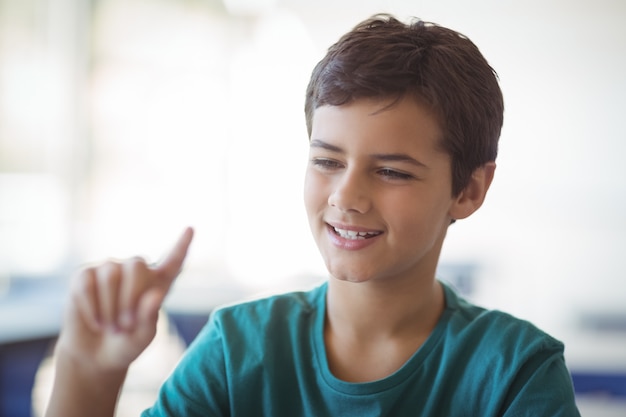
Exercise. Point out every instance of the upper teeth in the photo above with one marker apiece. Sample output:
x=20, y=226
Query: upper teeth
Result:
x=352, y=234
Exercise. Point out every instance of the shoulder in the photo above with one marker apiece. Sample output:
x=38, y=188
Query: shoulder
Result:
x=248, y=331
x=259, y=313
x=304, y=300
x=496, y=333
x=516, y=366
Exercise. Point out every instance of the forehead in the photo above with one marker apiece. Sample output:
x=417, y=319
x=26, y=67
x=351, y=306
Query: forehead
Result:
x=382, y=123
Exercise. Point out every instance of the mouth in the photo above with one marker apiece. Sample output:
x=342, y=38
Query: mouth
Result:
x=354, y=234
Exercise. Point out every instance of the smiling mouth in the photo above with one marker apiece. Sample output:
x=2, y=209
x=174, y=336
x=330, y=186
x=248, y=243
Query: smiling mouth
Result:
x=354, y=235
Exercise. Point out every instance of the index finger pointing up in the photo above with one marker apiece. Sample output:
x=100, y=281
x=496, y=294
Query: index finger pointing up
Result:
x=170, y=267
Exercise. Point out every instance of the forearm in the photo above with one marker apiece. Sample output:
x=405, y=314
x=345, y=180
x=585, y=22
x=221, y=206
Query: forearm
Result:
x=80, y=390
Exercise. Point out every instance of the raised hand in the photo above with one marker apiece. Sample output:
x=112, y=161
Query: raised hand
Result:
x=113, y=309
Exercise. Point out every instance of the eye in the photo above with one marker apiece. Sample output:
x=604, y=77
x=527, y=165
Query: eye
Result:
x=394, y=175
x=325, y=164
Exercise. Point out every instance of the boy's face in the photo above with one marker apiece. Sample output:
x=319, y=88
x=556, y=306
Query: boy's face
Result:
x=378, y=190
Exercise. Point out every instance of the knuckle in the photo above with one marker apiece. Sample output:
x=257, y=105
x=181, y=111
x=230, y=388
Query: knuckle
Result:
x=136, y=264
x=137, y=260
x=136, y=269
x=83, y=280
x=109, y=273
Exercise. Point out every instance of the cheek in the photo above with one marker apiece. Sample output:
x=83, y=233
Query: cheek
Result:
x=313, y=193
x=414, y=217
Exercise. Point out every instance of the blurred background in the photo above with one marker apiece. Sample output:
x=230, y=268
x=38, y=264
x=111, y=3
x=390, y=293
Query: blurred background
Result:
x=123, y=121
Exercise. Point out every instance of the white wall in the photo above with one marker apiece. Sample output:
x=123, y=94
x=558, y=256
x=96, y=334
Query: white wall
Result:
x=186, y=77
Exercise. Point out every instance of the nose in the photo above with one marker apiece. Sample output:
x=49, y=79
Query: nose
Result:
x=351, y=193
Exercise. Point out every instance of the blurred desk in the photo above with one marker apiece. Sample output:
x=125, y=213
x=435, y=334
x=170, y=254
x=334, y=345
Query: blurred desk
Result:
x=188, y=306
x=30, y=320
x=596, y=356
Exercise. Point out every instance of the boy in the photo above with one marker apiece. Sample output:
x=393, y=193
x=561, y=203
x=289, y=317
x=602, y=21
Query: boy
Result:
x=404, y=122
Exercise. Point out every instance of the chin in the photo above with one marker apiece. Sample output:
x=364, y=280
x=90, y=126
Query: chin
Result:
x=350, y=276
x=350, y=279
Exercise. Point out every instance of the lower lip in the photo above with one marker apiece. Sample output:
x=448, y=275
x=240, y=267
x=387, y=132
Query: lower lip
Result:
x=350, y=244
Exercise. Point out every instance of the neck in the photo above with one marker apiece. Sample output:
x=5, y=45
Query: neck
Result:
x=384, y=309
x=373, y=328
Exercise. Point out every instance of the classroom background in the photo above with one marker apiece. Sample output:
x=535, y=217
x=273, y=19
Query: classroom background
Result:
x=123, y=121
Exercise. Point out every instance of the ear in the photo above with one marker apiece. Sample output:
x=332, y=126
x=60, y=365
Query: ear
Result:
x=471, y=198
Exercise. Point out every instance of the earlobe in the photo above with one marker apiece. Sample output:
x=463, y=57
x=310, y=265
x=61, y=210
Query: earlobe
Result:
x=473, y=195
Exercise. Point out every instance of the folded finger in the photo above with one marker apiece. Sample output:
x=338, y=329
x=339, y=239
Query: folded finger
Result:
x=85, y=300
x=109, y=277
x=137, y=279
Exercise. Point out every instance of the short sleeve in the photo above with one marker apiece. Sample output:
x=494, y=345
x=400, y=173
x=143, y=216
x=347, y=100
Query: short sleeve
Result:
x=543, y=388
x=198, y=386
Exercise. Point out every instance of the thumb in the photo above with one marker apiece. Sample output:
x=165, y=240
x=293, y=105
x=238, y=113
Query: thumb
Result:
x=148, y=308
x=148, y=315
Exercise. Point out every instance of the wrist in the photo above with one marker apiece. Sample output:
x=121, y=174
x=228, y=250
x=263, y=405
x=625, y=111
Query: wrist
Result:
x=82, y=388
x=87, y=365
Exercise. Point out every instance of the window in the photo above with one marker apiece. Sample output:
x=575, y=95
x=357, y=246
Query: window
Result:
x=127, y=121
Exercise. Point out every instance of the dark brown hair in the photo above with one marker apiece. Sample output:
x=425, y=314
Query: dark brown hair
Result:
x=385, y=58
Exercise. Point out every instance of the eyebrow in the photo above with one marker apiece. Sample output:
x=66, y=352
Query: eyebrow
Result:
x=388, y=157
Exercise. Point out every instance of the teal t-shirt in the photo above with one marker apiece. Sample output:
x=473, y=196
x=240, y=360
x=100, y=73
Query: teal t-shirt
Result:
x=267, y=358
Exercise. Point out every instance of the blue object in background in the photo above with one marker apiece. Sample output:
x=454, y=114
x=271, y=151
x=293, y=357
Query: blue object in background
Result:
x=30, y=320
x=19, y=363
